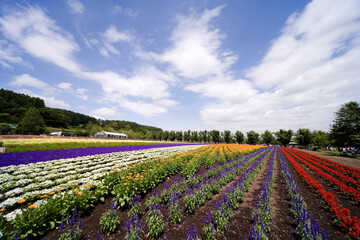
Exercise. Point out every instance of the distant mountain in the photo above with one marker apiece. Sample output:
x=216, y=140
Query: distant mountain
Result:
x=14, y=105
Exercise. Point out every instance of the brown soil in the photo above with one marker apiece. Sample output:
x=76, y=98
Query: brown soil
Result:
x=282, y=227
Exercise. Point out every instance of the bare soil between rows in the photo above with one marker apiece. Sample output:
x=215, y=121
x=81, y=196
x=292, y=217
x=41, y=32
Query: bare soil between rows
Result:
x=282, y=226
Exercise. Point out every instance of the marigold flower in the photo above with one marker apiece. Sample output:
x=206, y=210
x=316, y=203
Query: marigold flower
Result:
x=22, y=201
x=75, y=190
x=43, y=196
x=1, y=210
x=32, y=206
x=60, y=190
x=52, y=193
x=74, y=183
x=123, y=178
x=85, y=186
x=78, y=193
x=125, y=184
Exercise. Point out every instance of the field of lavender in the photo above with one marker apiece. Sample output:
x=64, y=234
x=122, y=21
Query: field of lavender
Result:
x=221, y=191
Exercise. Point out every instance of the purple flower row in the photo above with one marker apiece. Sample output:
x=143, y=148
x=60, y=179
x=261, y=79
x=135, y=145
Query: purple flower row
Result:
x=307, y=228
x=8, y=159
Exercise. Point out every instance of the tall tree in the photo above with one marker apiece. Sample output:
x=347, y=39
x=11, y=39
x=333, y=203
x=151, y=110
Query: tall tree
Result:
x=267, y=137
x=303, y=137
x=345, y=131
x=320, y=139
x=187, y=135
x=179, y=135
x=283, y=136
x=239, y=136
x=32, y=123
x=194, y=136
x=252, y=137
x=215, y=136
x=227, y=136
x=166, y=135
x=172, y=135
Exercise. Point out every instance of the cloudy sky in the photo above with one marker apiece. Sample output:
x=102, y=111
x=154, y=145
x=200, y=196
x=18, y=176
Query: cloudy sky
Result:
x=240, y=65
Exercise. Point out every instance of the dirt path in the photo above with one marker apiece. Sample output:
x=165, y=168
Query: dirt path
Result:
x=283, y=225
x=353, y=162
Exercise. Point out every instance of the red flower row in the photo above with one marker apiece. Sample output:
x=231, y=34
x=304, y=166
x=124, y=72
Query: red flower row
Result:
x=350, y=224
x=318, y=163
x=354, y=172
x=340, y=185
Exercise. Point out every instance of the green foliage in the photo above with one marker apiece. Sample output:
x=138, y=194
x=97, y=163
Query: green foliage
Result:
x=320, y=139
x=5, y=129
x=303, y=137
x=72, y=234
x=345, y=131
x=190, y=203
x=227, y=136
x=239, y=136
x=109, y=221
x=32, y=123
x=175, y=213
x=267, y=137
x=155, y=221
x=215, y=136
x=252, y=137
x=283, y=136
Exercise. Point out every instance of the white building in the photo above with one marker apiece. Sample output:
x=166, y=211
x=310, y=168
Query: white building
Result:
x=104, y=134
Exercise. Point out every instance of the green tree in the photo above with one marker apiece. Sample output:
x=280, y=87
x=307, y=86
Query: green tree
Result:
x=179, y=135
x=172, y=136
x=227, y=136
x=215, y=136
x=283, y=136
x=5, y=129
x=267, y=137
x=166, y=135
x=32, y=123
x=194, y=136
x=320, y=139
x=252, y=137
x=239, y=136
x=345, y=130
x=187, y=135
x=303, y=137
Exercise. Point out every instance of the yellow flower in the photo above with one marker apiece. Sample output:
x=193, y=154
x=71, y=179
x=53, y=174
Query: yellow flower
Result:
x=60, y=190
x=32, y=206
x=74, y=183
x=1, y=210
x=52, y=193
x=125, y=184
x=85, y=186
x=22, y=201
x=123, y=178
x=75, y=190
x=43, y=196
x=78, y=193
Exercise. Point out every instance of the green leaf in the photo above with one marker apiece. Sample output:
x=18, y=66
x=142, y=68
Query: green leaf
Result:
x=52, y=225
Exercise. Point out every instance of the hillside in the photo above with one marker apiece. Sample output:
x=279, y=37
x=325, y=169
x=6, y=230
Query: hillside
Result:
x=13, y=107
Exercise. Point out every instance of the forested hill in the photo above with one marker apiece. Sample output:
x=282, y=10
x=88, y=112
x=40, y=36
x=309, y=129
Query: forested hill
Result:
x=13, y=107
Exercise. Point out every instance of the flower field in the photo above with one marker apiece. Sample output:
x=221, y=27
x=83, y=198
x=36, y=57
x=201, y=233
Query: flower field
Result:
x=221, y=191
x=30, y=144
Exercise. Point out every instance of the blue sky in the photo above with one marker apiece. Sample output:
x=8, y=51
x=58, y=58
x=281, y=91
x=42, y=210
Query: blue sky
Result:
x=238, y=65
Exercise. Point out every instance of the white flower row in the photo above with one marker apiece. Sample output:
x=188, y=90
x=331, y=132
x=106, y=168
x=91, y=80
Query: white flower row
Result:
x=45, y=177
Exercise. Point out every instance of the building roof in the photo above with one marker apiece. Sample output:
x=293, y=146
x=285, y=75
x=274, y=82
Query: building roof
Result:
x=112, y=133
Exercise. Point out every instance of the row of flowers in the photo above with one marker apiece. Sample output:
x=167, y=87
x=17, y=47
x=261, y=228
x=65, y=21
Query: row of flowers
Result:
x=350, y=224
x=35, y=221
x=32, y=181
x=333, y=170
x=343, y=187
x=308, y=228
x=262, y=215
x=19, y=158
x=347, y=170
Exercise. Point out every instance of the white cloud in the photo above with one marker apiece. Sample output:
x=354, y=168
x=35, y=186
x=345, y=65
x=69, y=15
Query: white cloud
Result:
x=196, y=47
x=49, y=101
x=81, y=93
x=26, y=80
x=109, y=38
x=308, y=72
x=76, y=6
x=64, y=85
x=127, y=11
x=103, y=113
x=39, y=35
x=10, y=54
